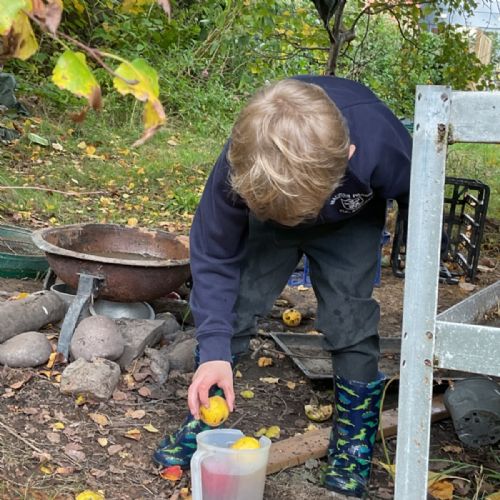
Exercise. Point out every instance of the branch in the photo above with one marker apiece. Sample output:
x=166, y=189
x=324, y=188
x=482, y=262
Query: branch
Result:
x=93, y=53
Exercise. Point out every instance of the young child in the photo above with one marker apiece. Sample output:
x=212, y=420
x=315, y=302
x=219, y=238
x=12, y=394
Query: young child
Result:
x=309, y=167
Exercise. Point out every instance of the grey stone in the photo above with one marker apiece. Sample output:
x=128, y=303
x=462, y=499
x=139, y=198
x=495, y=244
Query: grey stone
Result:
x=181, y=355
x=24, y=350
x=138, y=334
x=160, y=363
x=97, y=337
x=97, y=378
x=171, y=327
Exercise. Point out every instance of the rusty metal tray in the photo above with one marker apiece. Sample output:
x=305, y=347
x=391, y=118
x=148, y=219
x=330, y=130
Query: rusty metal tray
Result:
x=308, y=352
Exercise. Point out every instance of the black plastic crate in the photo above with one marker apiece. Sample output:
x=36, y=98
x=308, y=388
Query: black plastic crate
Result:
x=464, y=215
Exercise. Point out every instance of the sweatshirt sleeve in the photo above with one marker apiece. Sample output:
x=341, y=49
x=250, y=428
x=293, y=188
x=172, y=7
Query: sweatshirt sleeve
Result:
x=389, y=151
x=217, y=242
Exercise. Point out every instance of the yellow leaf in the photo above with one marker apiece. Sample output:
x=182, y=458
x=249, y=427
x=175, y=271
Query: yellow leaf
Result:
x=20, y=296
x=238, y=374
x=134, y=434
x=80, y=400
x=20, y=41
x=132, y=222
x=90, y=150
x=99, y=419
x=263, y=362
x=102, y=442
x=260, y=432
x=141, y=80
x=150, y=428
x=89, y=495
x=72, y=73
x=442, y=490
x=58, y=426
x=318, y=413
x=8, y=13
x=46, y=469
x=82, y=145
x=247, y=394
x=273, y=432
x=291, y=385
x=79, y=7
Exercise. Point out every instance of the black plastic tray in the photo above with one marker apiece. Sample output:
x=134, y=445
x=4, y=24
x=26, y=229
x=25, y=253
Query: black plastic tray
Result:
x=309, y=353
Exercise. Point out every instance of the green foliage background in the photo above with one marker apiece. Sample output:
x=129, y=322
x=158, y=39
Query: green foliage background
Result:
x=211, y=55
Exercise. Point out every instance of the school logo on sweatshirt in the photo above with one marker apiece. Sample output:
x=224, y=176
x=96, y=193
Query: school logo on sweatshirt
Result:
x=349, y=203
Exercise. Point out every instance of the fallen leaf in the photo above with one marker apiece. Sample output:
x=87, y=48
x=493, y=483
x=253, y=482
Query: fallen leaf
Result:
x=58, y=426
x=20, y=296
x=57, y=146
x=291, y=385
x=132, y=221
x=144, y=392
x=80, y=400
x=494, y=496
x=150, y=428
x=134, y=434
x=46, y=469
x=82, y=145
x=26, y=377
x=64, y=471
x=184, y=494
x=273, y=432
x=269, y=380
x=74, y=450
x=136, y=414
x=451, y=448
x=54, y=437
x=120, y=396
x=90, y=150
x=238, y=374
x=468, y=287
x=99, y=419
x=89, y=495
x=247, y=394
x=442, y=490
x=114, y=449
x=263, y=362
x=102, y=442
x=172, y=473
x=37, y=139
x=318, y=413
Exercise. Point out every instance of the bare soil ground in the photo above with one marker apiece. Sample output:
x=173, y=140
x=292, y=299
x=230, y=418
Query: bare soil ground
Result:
x=52, y=449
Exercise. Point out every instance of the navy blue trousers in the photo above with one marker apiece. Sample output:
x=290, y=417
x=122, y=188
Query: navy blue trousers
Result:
x=343, y=260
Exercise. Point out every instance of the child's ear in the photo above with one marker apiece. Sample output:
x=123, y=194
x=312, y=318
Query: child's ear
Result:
x=352, y=150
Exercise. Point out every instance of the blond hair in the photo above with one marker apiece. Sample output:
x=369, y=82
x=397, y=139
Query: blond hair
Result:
x=289, y=150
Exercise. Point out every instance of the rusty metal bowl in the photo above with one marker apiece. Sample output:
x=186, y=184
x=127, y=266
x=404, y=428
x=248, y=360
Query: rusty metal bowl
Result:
x=135, y=264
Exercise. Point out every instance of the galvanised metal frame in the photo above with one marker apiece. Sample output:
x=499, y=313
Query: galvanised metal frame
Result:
x=431, y=341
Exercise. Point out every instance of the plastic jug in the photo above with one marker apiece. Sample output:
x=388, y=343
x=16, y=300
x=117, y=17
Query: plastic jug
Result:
x=221, y=473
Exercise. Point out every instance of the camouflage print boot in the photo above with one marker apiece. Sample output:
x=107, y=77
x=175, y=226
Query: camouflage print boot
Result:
x=178, y=448
x=353, y=435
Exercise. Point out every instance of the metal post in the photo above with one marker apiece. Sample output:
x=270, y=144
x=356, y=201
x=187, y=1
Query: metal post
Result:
x=430, y=137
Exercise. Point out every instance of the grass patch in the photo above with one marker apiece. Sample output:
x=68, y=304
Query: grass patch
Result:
x=479, y=162
x=90, y=173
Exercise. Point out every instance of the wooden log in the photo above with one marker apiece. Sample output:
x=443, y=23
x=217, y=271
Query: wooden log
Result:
x=314, y=444
x=30, y=314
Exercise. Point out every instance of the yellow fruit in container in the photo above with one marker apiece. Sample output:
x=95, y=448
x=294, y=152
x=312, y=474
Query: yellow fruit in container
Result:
x=216, y=413
x=246, y=443
x=291, y=317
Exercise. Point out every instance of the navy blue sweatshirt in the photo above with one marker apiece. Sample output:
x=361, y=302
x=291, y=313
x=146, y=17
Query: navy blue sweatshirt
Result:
x=379, y=168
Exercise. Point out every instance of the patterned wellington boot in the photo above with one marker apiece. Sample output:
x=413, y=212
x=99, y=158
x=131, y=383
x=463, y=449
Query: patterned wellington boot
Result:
x=353, y=435
x=178, y=448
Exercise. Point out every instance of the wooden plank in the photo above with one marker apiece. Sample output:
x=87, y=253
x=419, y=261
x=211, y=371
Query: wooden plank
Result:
x=313, y=444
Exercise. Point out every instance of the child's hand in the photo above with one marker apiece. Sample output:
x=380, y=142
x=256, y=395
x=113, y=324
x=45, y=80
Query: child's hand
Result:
x=208, y=374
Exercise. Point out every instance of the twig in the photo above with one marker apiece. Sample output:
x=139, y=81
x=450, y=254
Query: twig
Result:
x=16, y=435
x=68, y=193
